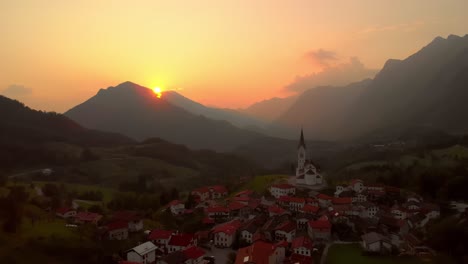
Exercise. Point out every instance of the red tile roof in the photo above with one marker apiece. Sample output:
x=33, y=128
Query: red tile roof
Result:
x=302, y=241
x=159, y=234
x=201, y=190
x=259, y=253
x=182, y=240
x=300, y=259
x=243, y=193
x=342, y=200
x=175, y=202
x=296, y=200
x=276, y=210
x=321, y=223
x=219, y=189
x=228, y=228
x=217, y=209
x=88, y=217
x=208, y=221
x=236, y=206
x=310, y=209
x=64, y=210
x=324, y=197
x=117, y=225
x=287, y=227
x=194, y=252
x=354, y=181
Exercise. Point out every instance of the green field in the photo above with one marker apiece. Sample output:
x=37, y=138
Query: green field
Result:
x=261, y=183
x=340, y=254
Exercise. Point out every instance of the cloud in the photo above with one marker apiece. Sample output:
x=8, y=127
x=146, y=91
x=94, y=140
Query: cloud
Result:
x=336, y=75
x=321, y=57
x=15, y=90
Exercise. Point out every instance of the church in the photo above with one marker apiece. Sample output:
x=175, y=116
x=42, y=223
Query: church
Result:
x=306, y=172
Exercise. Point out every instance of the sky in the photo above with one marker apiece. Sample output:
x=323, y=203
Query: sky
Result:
x=56, y=54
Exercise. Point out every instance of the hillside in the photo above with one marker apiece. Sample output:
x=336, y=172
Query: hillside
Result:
x=135, y=111
x=424, y=91
x=270, y=109
x=26, y=137
x=234, y=117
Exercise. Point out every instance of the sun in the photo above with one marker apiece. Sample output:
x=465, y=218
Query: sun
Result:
x=157, y=91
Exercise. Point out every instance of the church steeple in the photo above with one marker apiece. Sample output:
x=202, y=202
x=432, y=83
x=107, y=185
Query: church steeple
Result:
x=301, y=140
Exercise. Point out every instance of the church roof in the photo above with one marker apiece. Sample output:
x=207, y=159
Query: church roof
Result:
x=301, y=140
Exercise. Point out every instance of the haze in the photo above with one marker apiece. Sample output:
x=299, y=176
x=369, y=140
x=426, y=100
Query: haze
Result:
x=221, y=53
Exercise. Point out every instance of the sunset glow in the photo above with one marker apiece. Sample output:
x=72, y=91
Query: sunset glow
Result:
x=224, y=53
x=157, y=91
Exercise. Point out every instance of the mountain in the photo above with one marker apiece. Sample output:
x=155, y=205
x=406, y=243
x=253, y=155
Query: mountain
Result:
x=232, y=116
x=427, y=90
x=270, y=109
x=20, y=124
x=321, y=111
x=31, y=139
x=135, y=111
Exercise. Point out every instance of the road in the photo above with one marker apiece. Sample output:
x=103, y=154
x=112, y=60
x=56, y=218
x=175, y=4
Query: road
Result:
x=221, y=254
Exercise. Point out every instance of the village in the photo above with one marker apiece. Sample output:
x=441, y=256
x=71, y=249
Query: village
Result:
x=293, y=222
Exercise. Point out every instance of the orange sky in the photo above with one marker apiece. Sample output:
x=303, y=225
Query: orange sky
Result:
x=56, y=54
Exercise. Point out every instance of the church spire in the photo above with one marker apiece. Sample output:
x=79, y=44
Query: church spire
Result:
x=301, y=140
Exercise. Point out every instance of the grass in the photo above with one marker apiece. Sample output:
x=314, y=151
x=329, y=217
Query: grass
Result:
x=352, y=253
x=260, y=183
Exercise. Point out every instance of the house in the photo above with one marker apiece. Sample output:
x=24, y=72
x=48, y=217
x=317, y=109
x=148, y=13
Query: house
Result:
x=319, y=229
x=357, y=185
x=260, y=252
x=376, y=243
x=117, y=230
x=392, y=225
x=296, y=204
x=245, y=193
x=217, y=212
x=134, y=220
x=218, y=192
x=194, y=255
x=309, y=209
x=399, y=212
x=144, y=253
x=276, y=210
x=87, y=218
x=160, y=238
x=177, y=207
x=302, y=245
x=65, y=212
x=201, y=194
x=247, y=231
x=180, y=241
x=342, y=200
x=432, y=211
x=238, y=209
x=324, y=200
x=302, y=219
x=299, y=259
x=370, y=210
x=285, y=231
x=282, y=189
x=225, y=234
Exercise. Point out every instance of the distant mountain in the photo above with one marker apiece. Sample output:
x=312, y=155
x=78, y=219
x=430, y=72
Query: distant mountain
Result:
x=232, y=116
x=321, y=111
x=427, y=90
x=135, y=111
x=20, y=124
x=270, y=109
